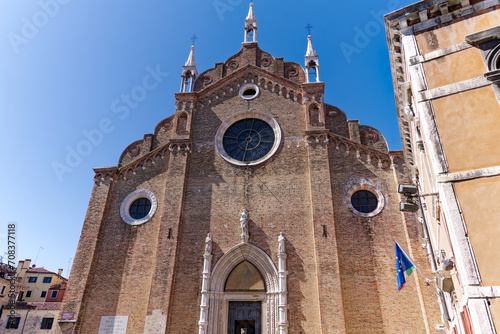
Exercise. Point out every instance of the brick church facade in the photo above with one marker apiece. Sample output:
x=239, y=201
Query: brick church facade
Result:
x=256, y=207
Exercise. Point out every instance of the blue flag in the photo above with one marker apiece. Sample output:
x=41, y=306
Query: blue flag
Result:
x=403, y=264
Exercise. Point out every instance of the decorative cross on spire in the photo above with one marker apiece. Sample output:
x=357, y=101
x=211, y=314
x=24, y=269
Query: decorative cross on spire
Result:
x=309, y=27
x=194, y=38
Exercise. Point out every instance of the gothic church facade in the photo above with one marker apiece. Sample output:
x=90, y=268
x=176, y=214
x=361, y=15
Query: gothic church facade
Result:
x=256, y=207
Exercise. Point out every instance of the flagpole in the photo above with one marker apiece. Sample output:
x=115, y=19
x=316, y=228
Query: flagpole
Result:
x=413, y=261
x=428, y=281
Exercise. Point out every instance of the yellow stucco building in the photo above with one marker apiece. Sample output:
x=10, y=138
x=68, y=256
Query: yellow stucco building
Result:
x=445, y=60
x=38, y=281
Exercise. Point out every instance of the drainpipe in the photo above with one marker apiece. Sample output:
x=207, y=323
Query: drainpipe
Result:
x=24, y=324
x=433, y=258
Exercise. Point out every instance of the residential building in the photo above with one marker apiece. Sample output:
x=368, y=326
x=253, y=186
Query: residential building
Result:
x=444, y=59
x=32, y=317
x=38, y=281
x=7, y=285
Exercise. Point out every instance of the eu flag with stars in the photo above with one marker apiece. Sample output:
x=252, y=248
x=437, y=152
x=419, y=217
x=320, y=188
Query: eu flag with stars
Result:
x=403, y=264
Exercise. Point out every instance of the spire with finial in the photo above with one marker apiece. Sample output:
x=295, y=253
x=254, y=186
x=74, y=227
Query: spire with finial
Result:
x=311, y=58
x=189, y=71
x=250, y=26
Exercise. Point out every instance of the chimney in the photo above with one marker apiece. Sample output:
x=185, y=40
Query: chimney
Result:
x=59, y=271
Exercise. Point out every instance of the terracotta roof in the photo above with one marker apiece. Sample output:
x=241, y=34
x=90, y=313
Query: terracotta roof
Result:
x=39, y=306
x=42, y=270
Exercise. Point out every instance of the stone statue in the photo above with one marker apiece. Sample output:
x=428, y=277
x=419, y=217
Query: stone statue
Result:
x=281, y=240
x=244, y=225
x=244, y=331
x=208, y=244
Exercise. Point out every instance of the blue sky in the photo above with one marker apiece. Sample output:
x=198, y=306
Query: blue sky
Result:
x=64, y=63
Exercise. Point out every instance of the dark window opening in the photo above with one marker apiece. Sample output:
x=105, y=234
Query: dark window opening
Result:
x=364, y=201
x=244, y=326
x=53, y=294
x=47, y=323
x=43, y=294
x=13, y=322
x=28, y=294
x=140, y=208
x=249, y=92
x=32, y=279
x=47, y=279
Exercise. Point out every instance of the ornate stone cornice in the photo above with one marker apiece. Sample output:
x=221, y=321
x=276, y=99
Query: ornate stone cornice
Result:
x=108, y=174
x=418, y=17
x=384, y=160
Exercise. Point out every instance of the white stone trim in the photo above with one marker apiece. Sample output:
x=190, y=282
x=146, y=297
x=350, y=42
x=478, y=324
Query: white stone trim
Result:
x=454, y=88
x=219, y=300
x=283, y=289
x=448, y=16
x=247, y=114
x=439, y=53
x=480, y=316
x=247, y=86
x=475, y=292
x=125, y=206
x=370, y=188
x=469, y=174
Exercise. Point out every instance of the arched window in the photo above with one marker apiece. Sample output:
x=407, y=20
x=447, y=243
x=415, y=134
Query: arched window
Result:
x=314, y=115
x=182, y=123
x=312, y=71
x=250, y=35
x=187, y=81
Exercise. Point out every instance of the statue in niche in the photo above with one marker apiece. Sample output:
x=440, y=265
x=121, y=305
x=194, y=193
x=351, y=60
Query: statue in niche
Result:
x=208, y=245
x=244, y=225
x=281, y=241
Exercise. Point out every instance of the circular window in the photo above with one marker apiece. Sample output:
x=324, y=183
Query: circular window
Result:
x=138, y=207
x=248, y=138
x=249, y=91
x=365, y=200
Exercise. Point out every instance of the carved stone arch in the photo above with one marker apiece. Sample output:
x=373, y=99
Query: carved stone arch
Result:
x=219, y=299
x=276, y=88
x=238, y=254
x=283, y=92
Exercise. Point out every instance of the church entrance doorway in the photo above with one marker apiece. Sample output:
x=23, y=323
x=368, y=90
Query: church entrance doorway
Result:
x=244, y=317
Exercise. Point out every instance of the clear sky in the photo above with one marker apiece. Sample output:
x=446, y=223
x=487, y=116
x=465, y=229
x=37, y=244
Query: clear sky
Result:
x=64, y=64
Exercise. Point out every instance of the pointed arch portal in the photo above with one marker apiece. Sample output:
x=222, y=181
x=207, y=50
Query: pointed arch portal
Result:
x=261, y=293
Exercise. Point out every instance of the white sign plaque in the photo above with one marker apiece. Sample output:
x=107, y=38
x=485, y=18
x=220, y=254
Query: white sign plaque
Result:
x=113, y=324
